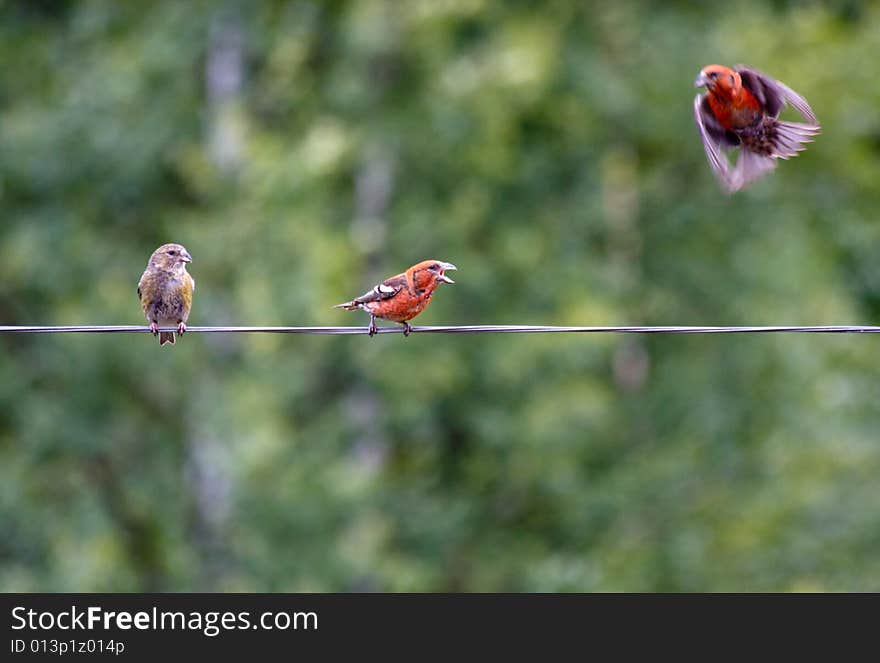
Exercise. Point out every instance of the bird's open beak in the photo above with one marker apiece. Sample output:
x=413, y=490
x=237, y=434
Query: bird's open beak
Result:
x=447, y=266
x=186, y=257
x=701, y=80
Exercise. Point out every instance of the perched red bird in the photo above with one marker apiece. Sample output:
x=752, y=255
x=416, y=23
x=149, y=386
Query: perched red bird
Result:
x=404, y=296
x=741, y=109
x=166, y=291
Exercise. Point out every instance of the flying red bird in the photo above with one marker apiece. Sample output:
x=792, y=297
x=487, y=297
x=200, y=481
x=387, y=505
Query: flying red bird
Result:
x=741, y=108
x=404, y=296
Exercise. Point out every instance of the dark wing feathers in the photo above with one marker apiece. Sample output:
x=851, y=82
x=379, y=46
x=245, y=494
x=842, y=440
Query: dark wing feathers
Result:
x=798, y=103
x=773, y=95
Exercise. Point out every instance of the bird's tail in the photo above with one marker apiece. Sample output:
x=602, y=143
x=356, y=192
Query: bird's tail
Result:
x=775, y=140
x=166, y=337
x=349, y=306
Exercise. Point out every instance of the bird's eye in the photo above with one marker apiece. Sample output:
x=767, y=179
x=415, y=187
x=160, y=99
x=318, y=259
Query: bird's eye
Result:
x=172, y=253
x=713, y=75
x=434, y=267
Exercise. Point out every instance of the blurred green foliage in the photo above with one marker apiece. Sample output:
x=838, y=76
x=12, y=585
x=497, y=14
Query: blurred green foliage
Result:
x=303, y=150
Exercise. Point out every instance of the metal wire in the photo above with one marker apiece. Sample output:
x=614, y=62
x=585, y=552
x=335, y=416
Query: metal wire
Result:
x=466, y=329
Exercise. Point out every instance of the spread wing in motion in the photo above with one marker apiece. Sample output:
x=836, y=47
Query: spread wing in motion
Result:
x=715, y=137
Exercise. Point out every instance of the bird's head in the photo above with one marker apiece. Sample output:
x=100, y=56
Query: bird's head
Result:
x=719, y=79
x=170, y=257
x=430, y=273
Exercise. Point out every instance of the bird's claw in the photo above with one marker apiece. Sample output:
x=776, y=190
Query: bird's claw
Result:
x=371, y=330
x=181, y=328
x=407, y=328
x=154, y=328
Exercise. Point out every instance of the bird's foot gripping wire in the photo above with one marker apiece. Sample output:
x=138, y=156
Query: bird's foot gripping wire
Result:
x=181, y=328
x=154, y=328
x=371, y=330
x=407, y=328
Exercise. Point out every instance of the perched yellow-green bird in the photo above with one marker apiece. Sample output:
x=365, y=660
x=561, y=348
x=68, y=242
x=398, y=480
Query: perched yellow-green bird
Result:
x=166, y=291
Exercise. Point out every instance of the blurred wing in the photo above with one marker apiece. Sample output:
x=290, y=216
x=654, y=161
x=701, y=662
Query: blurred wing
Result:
x=773, y=95
x=385, y=290
x=798, y=103
x=749, y=167
x=714, y=136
